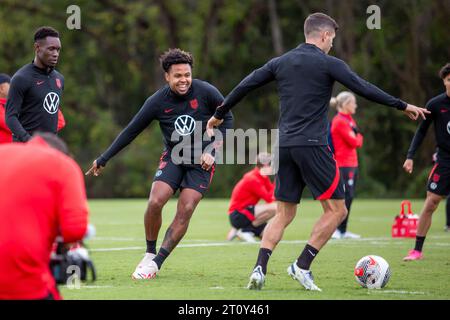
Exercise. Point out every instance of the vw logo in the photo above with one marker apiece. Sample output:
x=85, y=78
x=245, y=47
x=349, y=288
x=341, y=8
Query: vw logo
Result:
x=448, y=127
x=51, y=102
x=184, y=125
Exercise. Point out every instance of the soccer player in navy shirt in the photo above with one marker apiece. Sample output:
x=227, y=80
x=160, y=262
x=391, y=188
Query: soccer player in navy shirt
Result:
x=438, y=185
x=182, y=108
x=305, y=77
x=36, y=89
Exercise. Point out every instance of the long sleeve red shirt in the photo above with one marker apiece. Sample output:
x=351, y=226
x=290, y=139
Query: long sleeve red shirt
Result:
x=250, y=189
x=42, y=195
x=345, y=141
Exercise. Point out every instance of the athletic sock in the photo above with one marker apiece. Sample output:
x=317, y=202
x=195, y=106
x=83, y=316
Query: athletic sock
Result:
x=151, y=246
x=306, y=258
x=161, y=256
x=263, y=258
x=419, y=243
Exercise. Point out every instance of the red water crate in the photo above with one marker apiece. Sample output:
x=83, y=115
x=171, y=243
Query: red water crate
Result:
x=405, y=225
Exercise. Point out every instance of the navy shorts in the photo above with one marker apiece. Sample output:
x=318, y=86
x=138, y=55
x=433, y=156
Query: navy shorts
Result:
x=439, y=179
x=180, y=176
x=311, y=166
x=242, y=218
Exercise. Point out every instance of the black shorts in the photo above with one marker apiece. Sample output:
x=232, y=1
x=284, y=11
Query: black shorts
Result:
x=240, y=219
x=349, y=176
x=180, y=176
x=439, y=179
x=311, y=166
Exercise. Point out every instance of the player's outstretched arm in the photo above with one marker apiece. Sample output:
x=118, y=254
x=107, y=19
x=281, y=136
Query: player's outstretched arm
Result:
x=408, y=166
x=95, y=169
x=414, y=112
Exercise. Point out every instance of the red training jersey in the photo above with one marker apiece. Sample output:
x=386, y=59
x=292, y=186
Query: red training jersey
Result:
x=5, y=133
x=250, y=189
x=345, y=141
x=42, y=195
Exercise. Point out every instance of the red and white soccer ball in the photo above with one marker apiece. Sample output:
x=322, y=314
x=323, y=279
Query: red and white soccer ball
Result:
x=372, y=272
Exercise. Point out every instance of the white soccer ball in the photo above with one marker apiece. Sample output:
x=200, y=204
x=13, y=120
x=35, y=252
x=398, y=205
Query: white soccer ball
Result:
x=372, y=272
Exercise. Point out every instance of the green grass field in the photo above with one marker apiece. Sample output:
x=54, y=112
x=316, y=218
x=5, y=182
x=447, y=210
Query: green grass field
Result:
x=205, y=266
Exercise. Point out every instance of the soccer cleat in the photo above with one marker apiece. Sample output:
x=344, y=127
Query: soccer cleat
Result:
x=257, y=279
x=305, y=277
x=246, y=236
x=232, y=234
x=413, y=255
x=350, y=235
x=146, y=269
x=336, y=235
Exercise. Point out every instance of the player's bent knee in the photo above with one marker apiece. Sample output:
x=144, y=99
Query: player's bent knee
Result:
x=155, y=204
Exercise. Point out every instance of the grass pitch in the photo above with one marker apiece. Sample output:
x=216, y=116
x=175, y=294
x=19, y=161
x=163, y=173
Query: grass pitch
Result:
x=206, y=267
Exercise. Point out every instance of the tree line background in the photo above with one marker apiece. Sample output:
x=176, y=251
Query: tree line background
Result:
x=111, y=66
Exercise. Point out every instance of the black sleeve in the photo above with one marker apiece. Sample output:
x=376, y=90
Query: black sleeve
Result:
x=140, y=121
x=420, y=134
x=215, y=100
x=17, y=90
x=341, y=72
x=256, y=79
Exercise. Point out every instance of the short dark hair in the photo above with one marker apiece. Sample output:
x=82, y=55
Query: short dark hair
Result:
x=175, y=56
x=53, y=141
x=44, y=32
x=445, y=71
x=318, y=21
x=4, y=78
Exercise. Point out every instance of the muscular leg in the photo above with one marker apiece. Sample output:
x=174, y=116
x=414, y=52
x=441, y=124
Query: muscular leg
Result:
x=187, y=203
x=274, y=231
x=334, y=211
x=160, y=193
x=431, y=203
x=263, y=213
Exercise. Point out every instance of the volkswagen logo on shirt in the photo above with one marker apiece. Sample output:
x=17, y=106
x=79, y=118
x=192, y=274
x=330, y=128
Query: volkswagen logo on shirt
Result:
x=185, y=125
x=51, y=102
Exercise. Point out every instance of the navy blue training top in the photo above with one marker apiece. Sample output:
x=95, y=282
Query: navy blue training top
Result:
x=305, y=77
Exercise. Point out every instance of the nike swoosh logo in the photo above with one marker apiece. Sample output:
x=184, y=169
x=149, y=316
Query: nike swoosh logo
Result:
x=311, y=253
x=202, y=186
x=40, y=82
x=168, y=110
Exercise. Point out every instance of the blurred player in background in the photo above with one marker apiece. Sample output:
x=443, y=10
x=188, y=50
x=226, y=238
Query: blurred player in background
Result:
x=181, y=107
x=438, y=185
x=36, y=90
x=305, y=77
x=247, y=217
x=42, y=196
x=346, y=140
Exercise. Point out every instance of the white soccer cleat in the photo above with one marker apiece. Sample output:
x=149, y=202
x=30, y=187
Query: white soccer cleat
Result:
x=257, y=279
x=232, y=234
x=146, y=269
x=350, y=235
x=336, y=234
x=246, y=236
x=305, y=277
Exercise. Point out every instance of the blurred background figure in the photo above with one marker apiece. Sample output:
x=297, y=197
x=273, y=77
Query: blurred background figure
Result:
x=43, y=196
x=248, y=218
x=5, y=133
x=346, y=139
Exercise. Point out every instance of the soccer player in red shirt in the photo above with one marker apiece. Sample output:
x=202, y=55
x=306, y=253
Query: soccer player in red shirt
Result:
x=43, y=196
x=247, y=217
x=5, y=133
x=346, y=139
